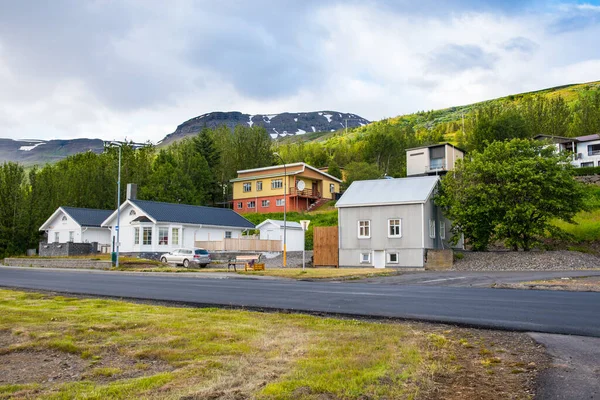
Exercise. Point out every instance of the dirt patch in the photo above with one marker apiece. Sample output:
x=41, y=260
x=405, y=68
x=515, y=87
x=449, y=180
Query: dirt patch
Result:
x=574, y=284
x=40, y=366
x=491, y=365
x=33, y=365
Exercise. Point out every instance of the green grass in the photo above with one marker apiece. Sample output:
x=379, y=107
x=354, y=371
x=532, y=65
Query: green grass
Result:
x=212, y=353
x=586, y=224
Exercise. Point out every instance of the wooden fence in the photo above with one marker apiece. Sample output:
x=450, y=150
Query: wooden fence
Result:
x=240, y=244
x=325, y=246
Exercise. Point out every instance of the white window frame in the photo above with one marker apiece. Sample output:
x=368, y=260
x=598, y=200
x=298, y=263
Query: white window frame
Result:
x=247, y=187
x=442, y=229
x=251, y=204
x=276, y=183
x=399, y=235
x=71, y=236
x=331, y=188
x=56, y=237
x=136, y=236
x=227, y=234
x=265, y=203
x=258, y=186
x=362, y=260
x=240, y=205
x=149, y=230
x=389, y=257
x=162, y=229
x=175, y=236
x=367, y=227
x=432, y=228
x=280, y=202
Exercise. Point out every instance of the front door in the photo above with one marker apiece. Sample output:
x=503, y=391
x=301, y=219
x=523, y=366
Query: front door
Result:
x=315, y=189
x=379, y=259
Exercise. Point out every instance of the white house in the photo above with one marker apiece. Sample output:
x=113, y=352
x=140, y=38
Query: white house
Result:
x=273, y=230
x=78, y=225
x=156, y=227
x=391, y=223
x=585, y=149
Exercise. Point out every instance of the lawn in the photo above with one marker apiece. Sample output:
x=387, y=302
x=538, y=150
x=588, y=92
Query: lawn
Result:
x=55, y=347
x=292, y=273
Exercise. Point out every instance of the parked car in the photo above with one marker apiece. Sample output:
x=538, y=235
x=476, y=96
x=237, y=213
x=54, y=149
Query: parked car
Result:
x=187, y=257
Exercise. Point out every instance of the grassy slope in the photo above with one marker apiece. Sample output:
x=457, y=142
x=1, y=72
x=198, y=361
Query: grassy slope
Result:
x=586, y=226
x=430, y=119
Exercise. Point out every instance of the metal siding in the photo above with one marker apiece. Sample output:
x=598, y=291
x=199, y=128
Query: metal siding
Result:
x=412, y=258
x=379, y=215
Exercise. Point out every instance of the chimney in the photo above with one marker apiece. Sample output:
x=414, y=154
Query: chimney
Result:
x=131, y=191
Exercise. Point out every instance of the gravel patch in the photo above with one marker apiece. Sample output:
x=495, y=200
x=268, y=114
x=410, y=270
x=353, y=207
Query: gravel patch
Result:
x=294, y=259
x=526, y=261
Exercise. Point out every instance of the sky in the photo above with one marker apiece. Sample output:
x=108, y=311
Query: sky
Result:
x=135, y=69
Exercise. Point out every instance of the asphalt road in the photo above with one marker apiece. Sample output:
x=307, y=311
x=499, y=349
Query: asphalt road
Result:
x=474, y=278
x=521, y=310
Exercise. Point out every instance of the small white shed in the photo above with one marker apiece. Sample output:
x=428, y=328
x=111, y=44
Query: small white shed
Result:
x=271, y=229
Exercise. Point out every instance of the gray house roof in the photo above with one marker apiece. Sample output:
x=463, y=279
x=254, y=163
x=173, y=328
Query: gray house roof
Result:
x=388, y=191
x=88, y=216
x=195, y=215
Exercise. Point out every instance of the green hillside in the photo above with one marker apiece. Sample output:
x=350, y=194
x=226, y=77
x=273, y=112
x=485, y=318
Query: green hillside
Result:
x=569, y=110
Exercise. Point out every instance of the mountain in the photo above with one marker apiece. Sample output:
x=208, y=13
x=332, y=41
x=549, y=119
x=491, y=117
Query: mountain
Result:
x=33, y=151
x=277, y=125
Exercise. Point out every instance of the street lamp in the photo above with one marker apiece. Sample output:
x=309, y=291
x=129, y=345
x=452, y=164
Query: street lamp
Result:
x=118, y=226
x=284, y=210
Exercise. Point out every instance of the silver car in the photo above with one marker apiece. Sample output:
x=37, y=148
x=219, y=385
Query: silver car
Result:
x=187, y=257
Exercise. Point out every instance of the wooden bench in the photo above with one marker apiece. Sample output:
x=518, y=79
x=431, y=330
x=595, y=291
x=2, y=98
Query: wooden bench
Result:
x=250, y=263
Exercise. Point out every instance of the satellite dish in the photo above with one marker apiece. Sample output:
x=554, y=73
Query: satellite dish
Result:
x=300, y=185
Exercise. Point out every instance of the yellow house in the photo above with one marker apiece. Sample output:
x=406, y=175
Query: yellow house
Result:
x=262, y=189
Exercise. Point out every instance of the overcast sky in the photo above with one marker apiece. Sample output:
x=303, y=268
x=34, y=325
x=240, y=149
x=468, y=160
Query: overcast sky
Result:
x=136, y=69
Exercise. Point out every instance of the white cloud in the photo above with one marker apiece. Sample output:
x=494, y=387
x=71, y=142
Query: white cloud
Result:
x=163, y=66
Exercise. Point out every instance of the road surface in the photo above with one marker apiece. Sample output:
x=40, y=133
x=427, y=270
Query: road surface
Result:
x=521, y=310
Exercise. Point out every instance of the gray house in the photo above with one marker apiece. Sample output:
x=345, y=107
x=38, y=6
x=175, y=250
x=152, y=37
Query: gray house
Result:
x=391, y=223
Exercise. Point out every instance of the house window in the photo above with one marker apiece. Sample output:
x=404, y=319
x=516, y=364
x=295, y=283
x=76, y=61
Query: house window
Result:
x=56, y=237
x=265, y=203
x=175, y=236
x=258, y=186
x=136, y=235
x=240, y=205
x=392, y=258
x=432, y=229
x=132, y=212
x=331, y=188
x=587, y=164
x=71, y=236
x=365, y=258
x=280, y=202
x=163, y=236
x=248, y=187
x=394, y=227
x=364, y=229
x=252, y=204
x=442, y=230
x=227, y=234
x=276, y=183
x=64, y=218
x=147, y=236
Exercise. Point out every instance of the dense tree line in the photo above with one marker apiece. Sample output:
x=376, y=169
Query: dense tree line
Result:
x=194, y=171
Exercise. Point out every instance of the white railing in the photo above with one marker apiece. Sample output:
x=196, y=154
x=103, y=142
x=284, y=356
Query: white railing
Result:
x=240, y=244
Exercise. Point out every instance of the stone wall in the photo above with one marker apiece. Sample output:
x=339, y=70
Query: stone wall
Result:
x=67, y=249
x=525, y=261
x=439, y=260
x=56, y=263
x=590, y=179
